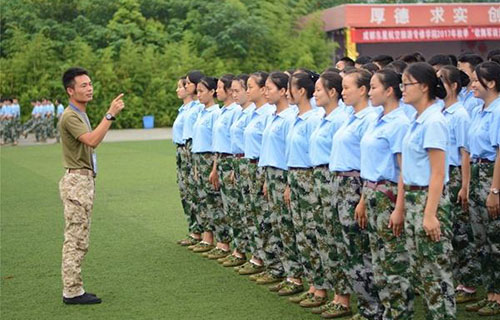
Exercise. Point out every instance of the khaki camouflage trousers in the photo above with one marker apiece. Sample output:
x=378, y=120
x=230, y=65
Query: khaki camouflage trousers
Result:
x=208, y=199
x=466, y=265
x=430, y=261
x=183, y=161
x=329, y=235
x=355, y=247
x=229, y=195
x=281, y=222
x=302, y=199
x=389, y=256
x=260, y=238
x=77, y=194
x=10, y=132
x=241, y=222
x=486, y=230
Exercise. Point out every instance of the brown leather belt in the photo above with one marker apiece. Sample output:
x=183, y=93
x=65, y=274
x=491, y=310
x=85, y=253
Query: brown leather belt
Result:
x=254, y=161
x=224, y=155
x=297, y=168
x=83, y=172
x=482, y=160
x=352, y=173
x=239, y=155
x=415, y=188
x=321, y=166
x=381, y=186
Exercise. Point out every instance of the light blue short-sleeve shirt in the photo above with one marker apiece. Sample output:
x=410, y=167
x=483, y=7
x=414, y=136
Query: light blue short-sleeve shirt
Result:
x=408, y=109
x=179, y=124
x=274, y=138
x=190, y=118
x=380, y=145
x=427, y=131
x=320, y=146
x=237, y=129
x=484, y=131
x=255, y=128
x=60, y=109
x=345, y=155
x=222, y=128
x=203, y=129
x=297, y=148
x=469, y=101
x=458, y=122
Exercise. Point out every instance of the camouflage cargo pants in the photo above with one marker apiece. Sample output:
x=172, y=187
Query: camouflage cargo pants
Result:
x=240, y=221
x=9, y=131
x=77, y=194
x=281, y=222
x=184, y=169
x=208, y=199
x=486, y=230
x=356, y=247
x=466, y=266
x=229, y=197
x=389, y=256
x=260, y=238
x=330, y=235
x=301, y=183
x=430, y=261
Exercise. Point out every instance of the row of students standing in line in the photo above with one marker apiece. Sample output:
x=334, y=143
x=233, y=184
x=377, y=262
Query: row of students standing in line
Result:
x=319, y=195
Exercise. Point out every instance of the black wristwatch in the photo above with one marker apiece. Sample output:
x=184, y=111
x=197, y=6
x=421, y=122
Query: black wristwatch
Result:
x=110, y=117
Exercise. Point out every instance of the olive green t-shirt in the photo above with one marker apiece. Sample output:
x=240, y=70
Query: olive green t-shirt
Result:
x=76, y=155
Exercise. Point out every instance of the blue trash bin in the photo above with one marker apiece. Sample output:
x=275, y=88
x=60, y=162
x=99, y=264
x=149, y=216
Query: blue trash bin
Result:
x=148, y=122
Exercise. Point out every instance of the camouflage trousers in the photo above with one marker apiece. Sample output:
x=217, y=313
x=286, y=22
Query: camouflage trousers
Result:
x=430, y=261
x=329, y=234
x=36, y=125
x=281, y=222
x=208, y=199
x=229, y=196
x=466, y=265
x=302, y=198
x=260, y=239
x=355, y=247
x=389, y=256
x=10, y=132
x=77, y=194
x=184, y=170
x=241, y=222
x=49, y=127
x=485, y=229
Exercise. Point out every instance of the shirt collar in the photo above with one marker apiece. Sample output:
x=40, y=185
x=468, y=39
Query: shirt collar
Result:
x=396, y=113
x=263, y=108
x=334, y=113
x=427, y=113
x=287, y=111
x=231, y=106
x=307, y=115
x=211, y=108
x=250, y=108
x=494, y=105
x=361, y=114
x=451, y=109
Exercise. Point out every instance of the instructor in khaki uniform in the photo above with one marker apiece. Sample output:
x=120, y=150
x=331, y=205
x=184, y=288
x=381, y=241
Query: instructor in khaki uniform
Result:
x=77, y=186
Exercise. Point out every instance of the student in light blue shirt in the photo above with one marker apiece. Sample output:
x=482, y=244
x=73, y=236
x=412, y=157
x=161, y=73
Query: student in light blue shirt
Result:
x=240, y=170
x=209, y=199
x=222, y=171
x=466, y=63
x=484, y=137
x=301, y=183
x=383, y=195
x=273, y=161
x=467, y=267
x=345, y=163
x=254, y=174
x=327, y=95
x=428, y=226
x=179, y=120
x=192, y=80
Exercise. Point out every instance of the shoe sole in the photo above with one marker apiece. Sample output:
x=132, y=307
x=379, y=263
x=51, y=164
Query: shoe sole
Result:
x=337, y=316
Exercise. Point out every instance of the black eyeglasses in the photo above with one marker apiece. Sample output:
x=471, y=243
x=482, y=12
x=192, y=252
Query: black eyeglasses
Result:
x=403, y=85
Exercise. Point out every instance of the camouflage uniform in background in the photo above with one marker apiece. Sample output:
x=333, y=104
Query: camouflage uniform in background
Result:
x=208, y=199
x=49, y=126
x=192, y=198
x=486, y=230
x=276, y=181
x=466, y=266
x=389, y=257
x=184, y=171
x=301, y=183
x=229, y=197
x=430, y=261
x=329, y=235
x=241, y=223
x=261, y=240
x=77, y=193
x=9, y=131
x=356, y=247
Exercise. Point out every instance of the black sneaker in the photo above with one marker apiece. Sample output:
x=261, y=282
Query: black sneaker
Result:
x=85, y=298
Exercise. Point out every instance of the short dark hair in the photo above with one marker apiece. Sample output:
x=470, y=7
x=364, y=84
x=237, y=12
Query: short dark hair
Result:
x=280, y=79
x=227, y=79
x=348, y=61
x=210, y=83
x=491, y=53
x=68, y=78
x=440, y=60
x=370, y=66
x=383, y=60
x=470, y=58
x=363, y=60
x=453, y=59
x=495, y=58
x=397, y=65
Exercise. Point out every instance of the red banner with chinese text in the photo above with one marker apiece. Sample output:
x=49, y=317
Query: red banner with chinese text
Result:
x=371, y=35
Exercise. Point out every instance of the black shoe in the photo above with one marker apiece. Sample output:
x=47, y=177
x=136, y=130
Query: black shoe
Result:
x=85, y=298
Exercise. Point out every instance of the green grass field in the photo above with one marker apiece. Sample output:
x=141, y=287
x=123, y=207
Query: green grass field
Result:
x=133, y=264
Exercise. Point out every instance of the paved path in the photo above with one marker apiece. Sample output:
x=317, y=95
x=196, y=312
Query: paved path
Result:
x=114, y=135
